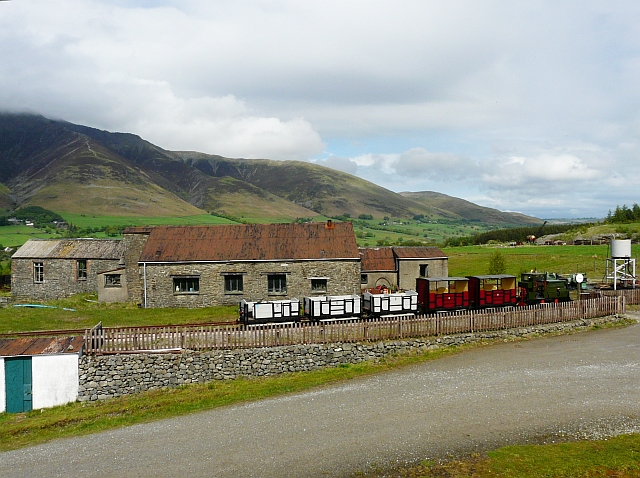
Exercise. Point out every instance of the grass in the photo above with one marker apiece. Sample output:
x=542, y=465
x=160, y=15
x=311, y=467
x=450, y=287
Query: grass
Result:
x=590, y=260
x=75, y=419
x=615, y=457
x=92, y=220
x=87, y=313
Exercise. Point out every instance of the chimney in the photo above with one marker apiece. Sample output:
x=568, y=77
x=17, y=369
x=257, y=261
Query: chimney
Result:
x=329, y=224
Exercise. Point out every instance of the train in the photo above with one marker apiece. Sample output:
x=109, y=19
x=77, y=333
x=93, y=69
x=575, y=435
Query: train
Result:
x=432, y=295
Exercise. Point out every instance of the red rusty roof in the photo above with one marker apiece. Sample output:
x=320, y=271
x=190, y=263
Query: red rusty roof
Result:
x=377, y=259
x=384, y=258
x=430, y=252
x=251, y=242
x=40, y=346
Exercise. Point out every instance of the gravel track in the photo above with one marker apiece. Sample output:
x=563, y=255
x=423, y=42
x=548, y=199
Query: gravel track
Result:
x=584, y=385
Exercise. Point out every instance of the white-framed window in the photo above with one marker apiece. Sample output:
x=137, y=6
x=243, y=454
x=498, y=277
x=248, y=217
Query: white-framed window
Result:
x=364, y=278
x=38, y=272
x=186, y=285
x=81, y=269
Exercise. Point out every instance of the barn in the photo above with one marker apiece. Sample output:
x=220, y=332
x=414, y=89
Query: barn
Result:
x=200, y=266
x=38, y=372
x=53, y=269
x=398, y=267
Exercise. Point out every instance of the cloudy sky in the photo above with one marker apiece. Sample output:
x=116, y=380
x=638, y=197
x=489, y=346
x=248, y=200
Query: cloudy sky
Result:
x=523, y=106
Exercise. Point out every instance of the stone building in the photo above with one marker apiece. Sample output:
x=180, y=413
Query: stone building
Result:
x=199, y=266
x=398, y=267
x=53, y=269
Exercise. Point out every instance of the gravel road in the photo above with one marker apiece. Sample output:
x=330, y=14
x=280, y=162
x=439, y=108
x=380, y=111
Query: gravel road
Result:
x=585, y=385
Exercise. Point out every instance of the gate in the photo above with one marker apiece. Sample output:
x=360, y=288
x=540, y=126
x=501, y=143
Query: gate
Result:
x=17, y=373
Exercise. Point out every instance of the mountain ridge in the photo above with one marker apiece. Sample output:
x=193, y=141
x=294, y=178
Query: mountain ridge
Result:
x=75, y=168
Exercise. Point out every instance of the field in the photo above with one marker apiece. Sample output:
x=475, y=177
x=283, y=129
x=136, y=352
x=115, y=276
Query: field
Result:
x=589, y=260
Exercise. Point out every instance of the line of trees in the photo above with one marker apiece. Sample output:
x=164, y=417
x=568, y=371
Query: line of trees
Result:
x=623, y=215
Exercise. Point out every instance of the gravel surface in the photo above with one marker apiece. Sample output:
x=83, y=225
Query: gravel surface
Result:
x=585, y=385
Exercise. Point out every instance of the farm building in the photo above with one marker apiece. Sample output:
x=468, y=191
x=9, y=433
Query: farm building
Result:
x=199, y=266
x=38, y=372
x=52, y=269
x=398, y=267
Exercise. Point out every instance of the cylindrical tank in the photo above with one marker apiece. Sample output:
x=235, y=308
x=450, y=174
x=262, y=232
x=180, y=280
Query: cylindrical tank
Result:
x=620, y=248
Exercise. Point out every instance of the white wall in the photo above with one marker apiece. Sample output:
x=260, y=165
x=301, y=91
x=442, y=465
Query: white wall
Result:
x=3, y=388
x=55, y=380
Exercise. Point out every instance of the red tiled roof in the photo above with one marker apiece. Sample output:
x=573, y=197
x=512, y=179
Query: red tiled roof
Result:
x=40, y=346
x=377, y=259
x=251, y=242
x=430, y=252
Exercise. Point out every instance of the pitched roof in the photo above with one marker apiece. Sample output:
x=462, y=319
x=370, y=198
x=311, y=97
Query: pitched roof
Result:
x=430, y=252
x=251, y=242
x=384, y=258
x=377, y=259
x=71, y=249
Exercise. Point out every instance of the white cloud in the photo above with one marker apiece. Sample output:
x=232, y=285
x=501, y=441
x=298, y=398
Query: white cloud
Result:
x=476, y=99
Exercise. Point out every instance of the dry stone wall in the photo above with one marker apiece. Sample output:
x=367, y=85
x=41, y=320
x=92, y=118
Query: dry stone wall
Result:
x=109, y=376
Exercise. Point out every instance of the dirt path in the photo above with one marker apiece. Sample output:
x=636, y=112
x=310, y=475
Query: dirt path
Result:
x=581, y=385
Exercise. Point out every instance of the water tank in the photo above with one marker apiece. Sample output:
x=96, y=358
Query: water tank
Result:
x=620, y=248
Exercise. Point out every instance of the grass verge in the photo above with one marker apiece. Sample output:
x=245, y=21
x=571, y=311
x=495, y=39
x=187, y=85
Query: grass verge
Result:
x=38, y=426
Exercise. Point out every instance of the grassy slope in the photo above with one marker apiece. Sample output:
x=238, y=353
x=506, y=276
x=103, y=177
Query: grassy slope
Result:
x=6, y=203
x=461, y=209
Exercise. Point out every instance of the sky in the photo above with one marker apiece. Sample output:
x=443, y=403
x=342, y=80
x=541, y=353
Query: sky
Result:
x=522, y=106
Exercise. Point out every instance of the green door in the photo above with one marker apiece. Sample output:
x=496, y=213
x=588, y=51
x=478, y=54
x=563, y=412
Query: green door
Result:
x=17, y=374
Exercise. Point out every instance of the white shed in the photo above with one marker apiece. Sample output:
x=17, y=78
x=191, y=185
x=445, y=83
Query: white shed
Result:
x=38, y=372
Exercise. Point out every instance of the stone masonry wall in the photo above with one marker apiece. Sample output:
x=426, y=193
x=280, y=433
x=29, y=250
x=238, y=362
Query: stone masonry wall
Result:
x=109, y=376
x=343, y=278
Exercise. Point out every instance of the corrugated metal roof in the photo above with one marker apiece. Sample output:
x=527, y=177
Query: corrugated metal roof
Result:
x=430, y=252
x=40, y=346
x=251, y=242
x=377, y=259
x=71, y=249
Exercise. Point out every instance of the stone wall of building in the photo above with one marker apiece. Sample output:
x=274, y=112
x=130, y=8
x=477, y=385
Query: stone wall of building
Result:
x=342, y=278
x=109, y=376
x=133, y=245
x=60, y=278
x=409, y=270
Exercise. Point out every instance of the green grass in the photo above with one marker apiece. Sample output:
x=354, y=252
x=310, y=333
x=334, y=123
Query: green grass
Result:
x=18, y=235
x=89, y=220
x=88, y=313
x=591, y=260
x=615, y=457
x=25, y=429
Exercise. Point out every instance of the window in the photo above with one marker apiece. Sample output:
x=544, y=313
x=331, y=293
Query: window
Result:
x=318, y=285
x=38, y=272
x=364, y=278
x=424, y=270
x=112, y=280
x=186, y=285
x=277, y=284
x=81, y=270
x=233, y=284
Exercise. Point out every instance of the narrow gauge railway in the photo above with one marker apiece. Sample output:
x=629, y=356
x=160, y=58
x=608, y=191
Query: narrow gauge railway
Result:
x=432, y=294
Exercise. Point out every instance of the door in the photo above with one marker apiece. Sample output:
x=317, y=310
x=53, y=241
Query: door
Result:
x=17, y=373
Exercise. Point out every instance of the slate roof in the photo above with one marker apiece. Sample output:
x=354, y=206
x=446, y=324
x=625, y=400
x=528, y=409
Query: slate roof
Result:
x=381, y=259
x=251, y=242
x=71, y=249
x=40, y=346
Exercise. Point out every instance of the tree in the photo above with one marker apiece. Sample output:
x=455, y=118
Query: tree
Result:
x=497, y=263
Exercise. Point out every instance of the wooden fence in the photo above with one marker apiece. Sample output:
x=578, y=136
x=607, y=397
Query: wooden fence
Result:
x=631, y=296
x=101, y=340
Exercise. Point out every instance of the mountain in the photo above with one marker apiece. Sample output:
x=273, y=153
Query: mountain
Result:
x=457, y=209
x=73, y=168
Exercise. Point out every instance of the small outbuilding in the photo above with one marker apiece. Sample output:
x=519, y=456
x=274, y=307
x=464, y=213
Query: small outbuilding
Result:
x=53, y=269
x=399, y=267
x=38, y=372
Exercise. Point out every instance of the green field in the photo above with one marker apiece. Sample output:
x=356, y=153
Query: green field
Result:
x=87, y=220
x=589, y=260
